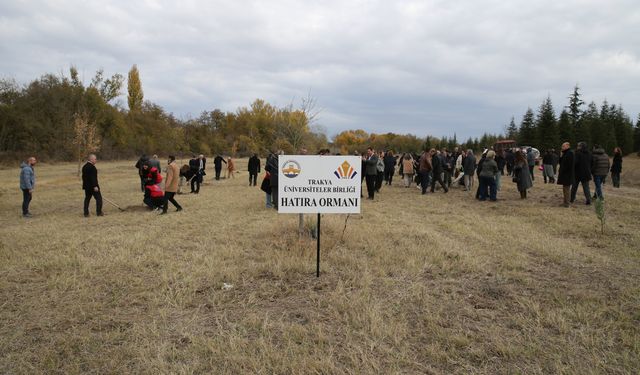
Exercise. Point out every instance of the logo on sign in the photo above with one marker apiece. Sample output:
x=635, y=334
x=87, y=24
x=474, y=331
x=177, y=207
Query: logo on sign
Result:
x=345, y=171
x=291, y=168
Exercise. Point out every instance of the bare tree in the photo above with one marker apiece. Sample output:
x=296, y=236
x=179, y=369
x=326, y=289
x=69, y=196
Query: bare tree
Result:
x=86, y=139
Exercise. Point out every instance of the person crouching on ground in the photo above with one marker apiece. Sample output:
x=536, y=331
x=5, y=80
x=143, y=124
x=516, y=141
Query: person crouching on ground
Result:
x=171, y=185
x=153, y=195
x=521, y=175
x=488, y=178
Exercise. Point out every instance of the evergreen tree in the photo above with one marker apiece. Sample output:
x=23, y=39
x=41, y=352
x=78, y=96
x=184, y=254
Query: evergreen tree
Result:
x=589, y=121
x=623, y=126
x=636, y=137
x=602, y=131
x=134, y=87
x=512, y=130
x=575, y=112
x=547, y=127
x=565, y=130
x=527, y=132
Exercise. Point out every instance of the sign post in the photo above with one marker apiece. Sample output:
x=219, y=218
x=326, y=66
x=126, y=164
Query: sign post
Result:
x=319, y=184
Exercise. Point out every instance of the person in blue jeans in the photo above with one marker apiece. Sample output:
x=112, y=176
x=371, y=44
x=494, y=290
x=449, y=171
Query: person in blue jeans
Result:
x=27, y=184
x=488, y=178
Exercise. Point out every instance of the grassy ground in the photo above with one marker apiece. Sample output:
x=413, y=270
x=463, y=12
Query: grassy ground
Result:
x=418, y=284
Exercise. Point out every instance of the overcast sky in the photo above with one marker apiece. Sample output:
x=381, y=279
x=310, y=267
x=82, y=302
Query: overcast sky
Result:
x=421, y=67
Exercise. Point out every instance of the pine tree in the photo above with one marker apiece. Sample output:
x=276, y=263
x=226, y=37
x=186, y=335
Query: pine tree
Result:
x=512, y=130
x=565, y=130
x=636, y=137
x=575, y=112
x=602, y=131
x=527, y=132
x=589, y=121
x=623, y=127
x=134, y=87
x=546, y=126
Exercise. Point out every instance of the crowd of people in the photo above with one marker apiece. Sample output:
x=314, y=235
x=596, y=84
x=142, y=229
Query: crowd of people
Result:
x=431, y=169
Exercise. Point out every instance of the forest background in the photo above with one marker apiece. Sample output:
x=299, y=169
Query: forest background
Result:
x=60, y=118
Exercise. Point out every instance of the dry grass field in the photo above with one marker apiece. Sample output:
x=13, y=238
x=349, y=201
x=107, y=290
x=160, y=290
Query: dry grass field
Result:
x=435, y=284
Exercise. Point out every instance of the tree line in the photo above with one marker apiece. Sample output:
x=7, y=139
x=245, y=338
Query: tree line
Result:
x=59, y=117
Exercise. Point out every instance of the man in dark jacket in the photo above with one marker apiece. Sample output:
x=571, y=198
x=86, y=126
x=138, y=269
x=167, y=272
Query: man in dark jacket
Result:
x=217, y=164
x=437, y=169
x=254, y=169
x=531, y=160
x=90, y=186
x=599, y=168
x=424, y=170
x=389, y=167
x=582, y=168
x=566, y=173
x=547, y=167
x=371, y=172
x=194, y=168
x=143, y=160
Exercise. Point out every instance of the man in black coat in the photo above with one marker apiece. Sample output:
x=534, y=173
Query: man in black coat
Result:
x=90, y=186
x=566, y=173
x=194, y=168
x=437, y=165
x=217, y=164
x=582, y=173
x=143, y=160
x=254, y=169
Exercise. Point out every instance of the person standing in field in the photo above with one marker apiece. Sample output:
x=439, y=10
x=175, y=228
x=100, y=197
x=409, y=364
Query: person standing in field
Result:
x=566, y=172
x=436, y=170
x=272, y=167
x=500, y=161
x=154, y=162
x=27, y=184
x=616, y=167
x=531, y=160
x=599, y=168
x=407, y=169
x=469, y=169
x=380, y=171
x=254, y=169
x=171, y=185
x=217, y=164
x=231, y=167
x=389, y=167
x=582, y=173
x=90, y=186
x=521, y=175
x=371, y=172
x=424, y=170
x=547, y=167
x=487, y=178
x=194, y=167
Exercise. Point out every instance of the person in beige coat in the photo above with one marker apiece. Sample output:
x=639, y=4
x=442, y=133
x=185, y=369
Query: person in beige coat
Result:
x=171, y=185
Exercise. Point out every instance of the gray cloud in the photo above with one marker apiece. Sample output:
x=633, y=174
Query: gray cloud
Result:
x=435, y=67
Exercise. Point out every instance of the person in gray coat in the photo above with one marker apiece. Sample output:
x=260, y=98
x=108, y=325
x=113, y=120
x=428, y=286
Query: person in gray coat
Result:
x=27, y=184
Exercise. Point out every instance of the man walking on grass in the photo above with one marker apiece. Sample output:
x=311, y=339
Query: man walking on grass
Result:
x=566, y=173
x=90, y=186
x=27, y=184
x=171, y=185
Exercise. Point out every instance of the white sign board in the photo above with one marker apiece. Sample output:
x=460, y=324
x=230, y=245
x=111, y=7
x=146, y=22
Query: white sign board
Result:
x=319, y=184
